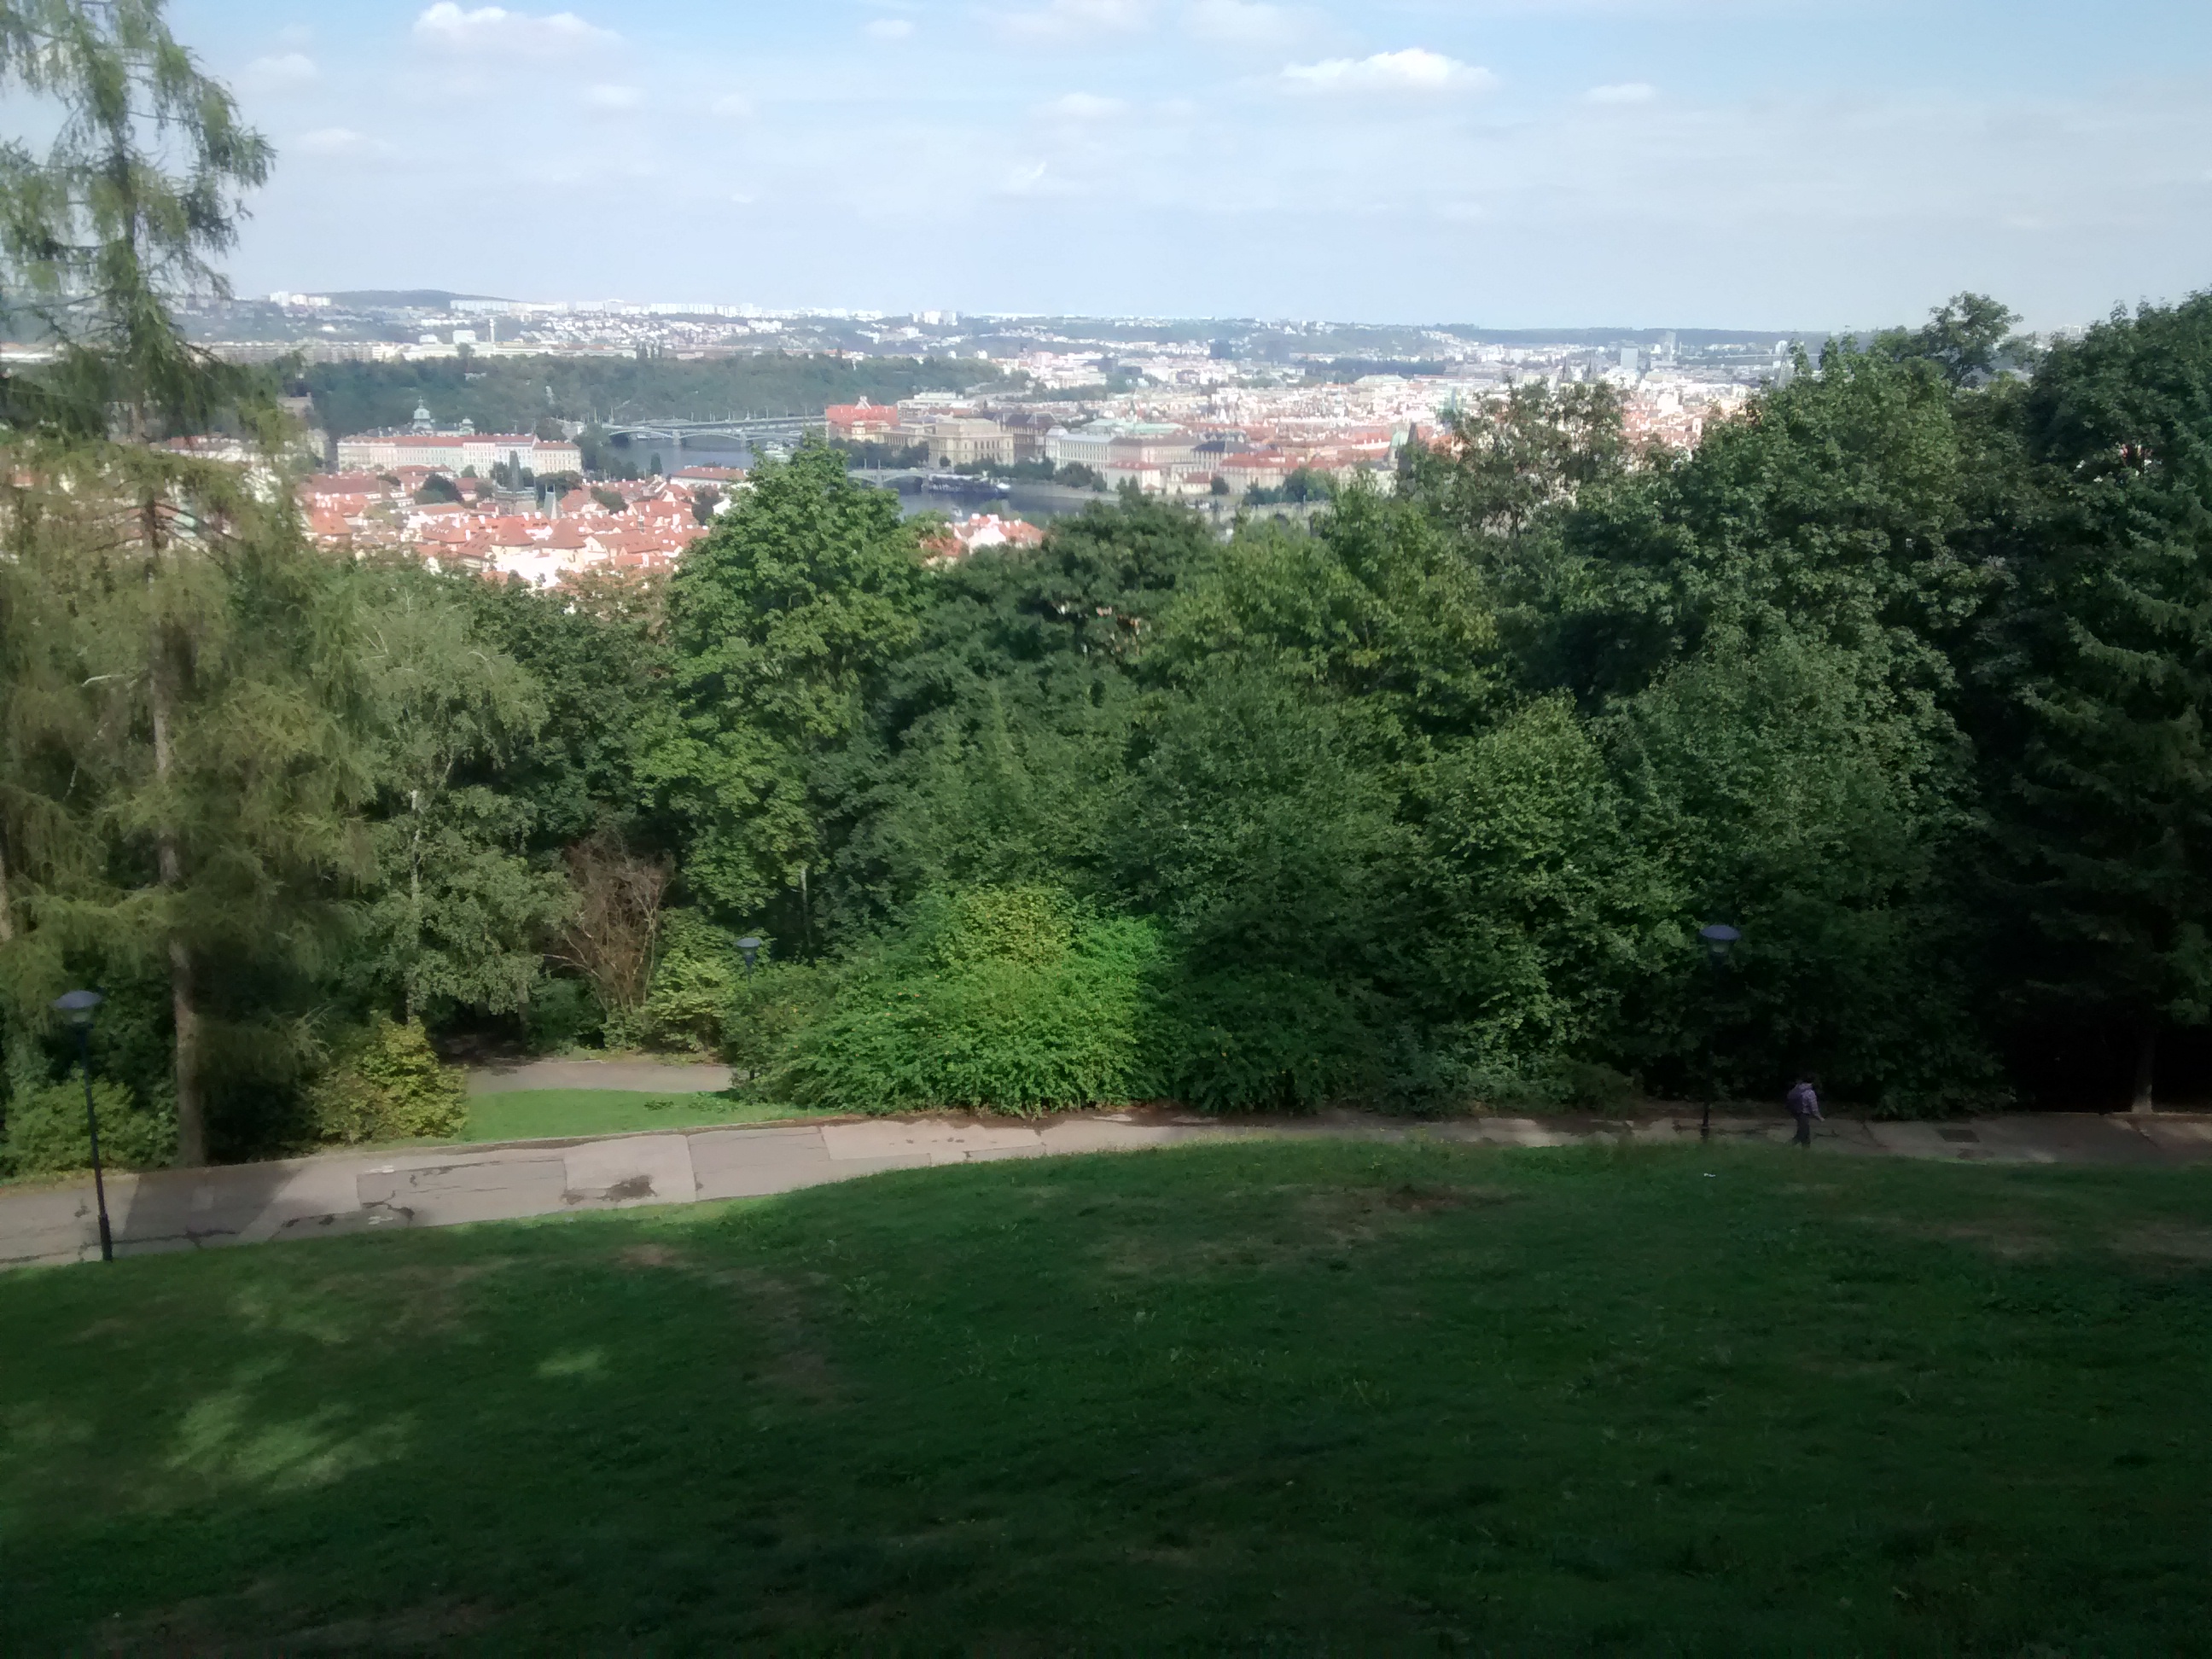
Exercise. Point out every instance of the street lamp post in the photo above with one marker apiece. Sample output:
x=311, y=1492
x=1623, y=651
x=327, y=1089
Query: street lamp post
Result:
x=1719, y=938
x=78, y=1007
x=749, y=947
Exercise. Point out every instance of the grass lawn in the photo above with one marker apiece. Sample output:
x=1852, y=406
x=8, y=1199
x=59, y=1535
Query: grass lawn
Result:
x=531, y=1114
x=1293, y=1396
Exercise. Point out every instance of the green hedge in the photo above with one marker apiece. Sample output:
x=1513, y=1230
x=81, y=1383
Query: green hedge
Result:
x=46, y=1132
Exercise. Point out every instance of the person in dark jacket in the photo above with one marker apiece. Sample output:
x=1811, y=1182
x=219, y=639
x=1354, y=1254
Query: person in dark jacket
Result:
x=1804, y=1106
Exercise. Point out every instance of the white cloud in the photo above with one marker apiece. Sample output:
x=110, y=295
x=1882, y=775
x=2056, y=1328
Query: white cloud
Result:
x=1628, y=92
x=1081, y=107
x=733, y=106
x=1069, y=20
x=1415, y=69
x=1243, y=22
x=290, y=69
x=494, y=29
x=613, y=97
x=889, y=28
x=341, y=141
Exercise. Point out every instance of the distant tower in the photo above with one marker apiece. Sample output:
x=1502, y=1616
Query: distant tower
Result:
x=422, y=418
x=1630, y=361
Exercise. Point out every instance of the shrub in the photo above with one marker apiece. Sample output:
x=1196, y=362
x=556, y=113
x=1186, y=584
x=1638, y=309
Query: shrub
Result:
x=563, y=1013
x=691, y=984
x=767, y=1008
x=1549, y=1084
x=389, y=1085
x=685, y=1009
x=1010, y=1000
x=46, y=1132
x=1261, y=1039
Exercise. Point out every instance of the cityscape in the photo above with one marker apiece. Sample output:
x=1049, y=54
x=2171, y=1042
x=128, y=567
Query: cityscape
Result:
x=1227, y=414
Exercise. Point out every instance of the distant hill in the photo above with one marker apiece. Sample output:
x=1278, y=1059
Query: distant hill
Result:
x=395, y=299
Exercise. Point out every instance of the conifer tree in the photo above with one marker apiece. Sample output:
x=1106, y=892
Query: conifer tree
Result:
x=2106, y=785
x=180, y=787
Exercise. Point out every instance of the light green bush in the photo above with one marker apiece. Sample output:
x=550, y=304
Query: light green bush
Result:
x=46, y=1132
x=388, y=1085
x=1011, y=1000
x=692, y=982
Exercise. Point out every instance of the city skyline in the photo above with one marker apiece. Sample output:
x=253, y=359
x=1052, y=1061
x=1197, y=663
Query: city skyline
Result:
x=1694, y=163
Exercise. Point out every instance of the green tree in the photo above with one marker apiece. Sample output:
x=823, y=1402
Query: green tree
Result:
x=118, y=216
x=779, y=623
x=1505, y=462
x=216, y=772
x=2103, y=777
x=995, y=749
x=460, y=916
x=1965, y=338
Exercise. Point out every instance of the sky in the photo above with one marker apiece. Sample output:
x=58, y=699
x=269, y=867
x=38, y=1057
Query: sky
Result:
x=1779, y=164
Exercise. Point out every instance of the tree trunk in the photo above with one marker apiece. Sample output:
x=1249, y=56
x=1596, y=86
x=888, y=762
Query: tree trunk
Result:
x=7, y=915
x=2146, y=1065
x=184, y=1003
x=414, y=901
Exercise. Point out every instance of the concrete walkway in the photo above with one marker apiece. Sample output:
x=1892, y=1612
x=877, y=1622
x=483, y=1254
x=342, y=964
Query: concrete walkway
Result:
x=436, y=1187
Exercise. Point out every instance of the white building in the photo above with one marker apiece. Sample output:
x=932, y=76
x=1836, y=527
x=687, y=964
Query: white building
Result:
x=457, y=452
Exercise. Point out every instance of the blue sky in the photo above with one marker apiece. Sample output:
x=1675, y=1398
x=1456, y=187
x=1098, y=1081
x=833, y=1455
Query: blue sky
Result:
x=1765, y=163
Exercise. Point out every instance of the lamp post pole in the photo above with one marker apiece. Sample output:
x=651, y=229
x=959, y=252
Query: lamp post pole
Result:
x=1719, y=938
x=78, y=1007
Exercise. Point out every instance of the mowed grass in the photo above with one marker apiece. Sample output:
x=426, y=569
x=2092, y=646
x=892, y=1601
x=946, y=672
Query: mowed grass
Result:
x=1304, y=1397
x=545, y=1114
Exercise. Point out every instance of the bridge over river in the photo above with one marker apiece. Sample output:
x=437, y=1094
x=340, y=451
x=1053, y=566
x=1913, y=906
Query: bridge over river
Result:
x=747, y=429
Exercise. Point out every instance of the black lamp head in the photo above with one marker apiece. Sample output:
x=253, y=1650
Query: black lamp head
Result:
x=78, y=1007
x=749, y=947
x=1718, y=938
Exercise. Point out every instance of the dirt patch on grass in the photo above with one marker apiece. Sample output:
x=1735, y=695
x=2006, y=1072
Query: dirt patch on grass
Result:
x=2008, y=1241
x=652, y=1255
x=200, y=1630
x=2168, y=1241
x=1293, y=1225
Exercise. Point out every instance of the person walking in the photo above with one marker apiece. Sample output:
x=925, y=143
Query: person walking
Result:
x=1804, y=1106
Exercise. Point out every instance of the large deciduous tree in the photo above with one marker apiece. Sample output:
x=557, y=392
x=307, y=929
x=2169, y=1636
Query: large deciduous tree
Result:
x=777, y=622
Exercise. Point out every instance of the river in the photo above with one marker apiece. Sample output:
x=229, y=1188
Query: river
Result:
x=1038, y=503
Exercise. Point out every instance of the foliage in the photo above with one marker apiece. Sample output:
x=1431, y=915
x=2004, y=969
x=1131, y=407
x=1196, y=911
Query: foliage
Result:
x=46, y=1132
x=562, y=1014
x=2102, y=773
x=387, y=1083
x=460, y=916
x=1011, y=999
x=769, y=1007
x=802, y=591
x=695, y=972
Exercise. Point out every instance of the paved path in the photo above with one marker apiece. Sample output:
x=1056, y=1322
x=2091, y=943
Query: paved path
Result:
x=372, y=1191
